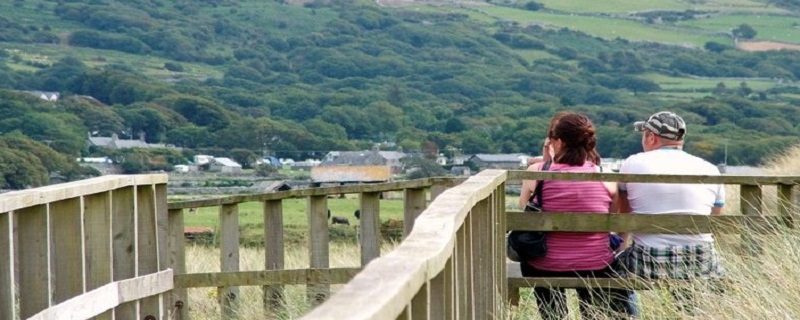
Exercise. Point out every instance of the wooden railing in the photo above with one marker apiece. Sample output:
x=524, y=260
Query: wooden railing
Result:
x=446, y=267
x=112, y=247
x=85, y=249
x=272, y=279
x=452, y=265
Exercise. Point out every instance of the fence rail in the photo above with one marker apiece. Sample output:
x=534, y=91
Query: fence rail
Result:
x=112, y=247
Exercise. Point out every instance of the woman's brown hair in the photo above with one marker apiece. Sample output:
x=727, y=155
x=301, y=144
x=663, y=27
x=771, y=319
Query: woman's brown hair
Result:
x=577, y=134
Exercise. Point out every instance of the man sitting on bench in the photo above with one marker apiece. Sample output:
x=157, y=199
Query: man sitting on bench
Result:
x=670, y=256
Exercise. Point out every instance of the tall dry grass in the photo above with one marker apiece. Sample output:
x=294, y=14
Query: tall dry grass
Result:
x=764, y=286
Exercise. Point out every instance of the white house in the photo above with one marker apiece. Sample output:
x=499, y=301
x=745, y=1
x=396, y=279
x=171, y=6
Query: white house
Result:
x=202, y=159
x=181, y=168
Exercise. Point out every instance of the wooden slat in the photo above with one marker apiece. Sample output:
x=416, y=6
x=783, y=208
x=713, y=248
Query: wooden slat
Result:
x=162, y=244
x=383, y=288
x=66, y=249
x=439, y=295
x=273, y=250
x=413, y=204
x=7, y=299
x=177, y=261
x=123, y=226
x=97, y=235
x=724, y=179
x=33, y=254
x=304, y=193
x=481, y=258
x=229, y=258
x=318, y=245
x=750, y=202
x=147, y=245
x=663, y=223
x=370, y=227
x=22, y=199
x=420, y=303
x=272, y=277
x=786, y=204
x=108, y=296
x=499, y=270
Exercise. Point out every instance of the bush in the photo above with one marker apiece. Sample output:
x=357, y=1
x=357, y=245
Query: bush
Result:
x=174, y=67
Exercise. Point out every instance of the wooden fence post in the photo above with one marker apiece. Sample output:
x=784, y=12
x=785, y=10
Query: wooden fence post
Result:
x=318, y=246
x=177, y=261
x=147, y=244
x=66, y=249
x=786, y=206
x=750, y=203
x=97, y=227
x=370, y=226
x=273, y=251
x=123, y=226
x=413, y=205
x=229, y=258
x=162, y=245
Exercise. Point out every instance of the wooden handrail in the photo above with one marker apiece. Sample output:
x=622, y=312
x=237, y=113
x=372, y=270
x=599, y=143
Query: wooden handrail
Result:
x=109, y=296
x=301, y=193
x=382, y=290
x=260, y=278
x=516, y=175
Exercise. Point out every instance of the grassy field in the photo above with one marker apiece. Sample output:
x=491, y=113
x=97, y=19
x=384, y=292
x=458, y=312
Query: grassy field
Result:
x=762, y=287
x=668, y=83
x=623, y=6
x=769, y=27
x=604, y=27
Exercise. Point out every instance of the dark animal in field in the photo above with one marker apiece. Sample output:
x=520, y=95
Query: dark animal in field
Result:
x=357, y=214
x=340, y=220
x=329, y=213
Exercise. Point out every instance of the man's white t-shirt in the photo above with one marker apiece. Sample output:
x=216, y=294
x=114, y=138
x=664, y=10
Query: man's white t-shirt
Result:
x=662, y=198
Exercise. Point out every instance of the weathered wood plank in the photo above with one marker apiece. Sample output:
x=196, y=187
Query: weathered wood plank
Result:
x=27, y=198
x=383, y=289
x=420, y=303
x=273, y=251
x=786, y=204
x=482, y=258
x=177, y=261
x=516, y=175
x=414, y=203
x=7, y=290
x=370, y=227
x=146, y=244
x=318, y=245
x=98, y=256
x=66, y=249
x=440, y=294
x=34, y=261
x=663, y=223
x=108, y=296
x=162, y=244
x=271, y=277
x=123, y=226
x=229, y=258
x=304, y=193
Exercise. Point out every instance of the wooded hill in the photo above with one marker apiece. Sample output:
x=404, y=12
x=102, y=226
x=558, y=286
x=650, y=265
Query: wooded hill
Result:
x=241, y=78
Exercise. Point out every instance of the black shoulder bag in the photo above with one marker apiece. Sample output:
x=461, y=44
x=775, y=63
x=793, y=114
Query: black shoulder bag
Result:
x=527, y=245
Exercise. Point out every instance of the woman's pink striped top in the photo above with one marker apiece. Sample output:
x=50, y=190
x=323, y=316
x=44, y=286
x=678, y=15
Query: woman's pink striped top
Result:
x=568, y=251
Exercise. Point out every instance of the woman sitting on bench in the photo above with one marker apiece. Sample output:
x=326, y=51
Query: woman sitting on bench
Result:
x=571, y=143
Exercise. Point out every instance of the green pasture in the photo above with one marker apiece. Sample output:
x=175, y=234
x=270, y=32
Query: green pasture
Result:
x=623, y=6
x=769, y=27
x=608, y=28
x=668, y=83
x=148, y=65
x=295, y=218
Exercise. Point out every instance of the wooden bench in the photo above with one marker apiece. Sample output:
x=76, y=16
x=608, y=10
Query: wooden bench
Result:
x=665, y=223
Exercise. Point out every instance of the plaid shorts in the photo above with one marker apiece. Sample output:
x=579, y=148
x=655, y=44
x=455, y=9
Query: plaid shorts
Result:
x=674, y=262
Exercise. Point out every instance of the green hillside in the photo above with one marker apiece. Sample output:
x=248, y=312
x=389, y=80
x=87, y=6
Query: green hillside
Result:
x=246, y=78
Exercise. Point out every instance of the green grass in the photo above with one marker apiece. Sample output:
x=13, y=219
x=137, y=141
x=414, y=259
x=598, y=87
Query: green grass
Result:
x=622, y=6
x=668, y=83
x=148, y=65
x=769, y=27
x=608, y=28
